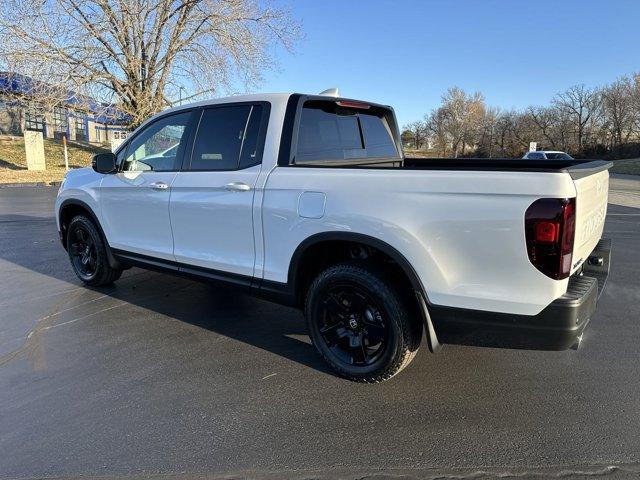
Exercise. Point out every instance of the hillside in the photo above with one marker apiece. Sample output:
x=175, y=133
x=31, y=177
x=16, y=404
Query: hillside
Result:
x=13, y=165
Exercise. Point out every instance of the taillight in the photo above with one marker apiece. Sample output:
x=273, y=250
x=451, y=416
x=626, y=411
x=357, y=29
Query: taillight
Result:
x=550, y=225
x=350, y=104
x=547, y=232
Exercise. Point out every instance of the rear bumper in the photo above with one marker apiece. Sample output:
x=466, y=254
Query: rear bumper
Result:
x=558, y=327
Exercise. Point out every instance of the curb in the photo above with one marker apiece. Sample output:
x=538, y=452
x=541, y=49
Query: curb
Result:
x=29, y=184
x=628, y=176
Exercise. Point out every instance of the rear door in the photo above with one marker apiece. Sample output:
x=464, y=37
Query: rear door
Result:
x=135, y=200
x=212, y=199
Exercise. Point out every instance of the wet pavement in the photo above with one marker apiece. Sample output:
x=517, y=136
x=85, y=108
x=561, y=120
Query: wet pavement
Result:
x=165, y=376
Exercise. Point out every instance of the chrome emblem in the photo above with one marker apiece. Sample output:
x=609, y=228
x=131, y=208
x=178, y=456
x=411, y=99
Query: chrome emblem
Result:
x=593, y=223
x=599, y=186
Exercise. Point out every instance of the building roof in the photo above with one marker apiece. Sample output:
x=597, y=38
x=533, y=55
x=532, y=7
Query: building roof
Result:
x=18, y=84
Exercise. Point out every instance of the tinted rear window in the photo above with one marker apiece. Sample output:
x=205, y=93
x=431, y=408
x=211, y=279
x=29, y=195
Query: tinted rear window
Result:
x=328, y=132
x=377, y=137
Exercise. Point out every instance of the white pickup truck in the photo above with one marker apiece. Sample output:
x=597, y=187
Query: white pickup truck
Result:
x=308, y=200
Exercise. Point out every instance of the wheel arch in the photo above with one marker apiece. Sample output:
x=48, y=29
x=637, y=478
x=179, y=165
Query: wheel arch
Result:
x=71, y=207
x=296, y=272
x=356, y=238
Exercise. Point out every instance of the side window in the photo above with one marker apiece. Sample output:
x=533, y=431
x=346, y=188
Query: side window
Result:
x=332, y=132
x=249, y=151
x=220, y=138
x=157, y=147
x=535, y=156
x=122, y=154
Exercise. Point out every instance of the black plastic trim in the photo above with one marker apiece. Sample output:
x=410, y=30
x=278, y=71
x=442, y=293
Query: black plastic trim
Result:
x=557, y=327
x=591, y=267
x=588, y=168
x=278, y=292
x=356, y=238
x=575, y=168
x=351, y=162
x=288, y=129
x=178, y=268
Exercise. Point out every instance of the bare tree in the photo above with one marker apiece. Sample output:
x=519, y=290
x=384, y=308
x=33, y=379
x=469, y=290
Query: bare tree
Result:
x=139, y=54
x=502, y=134
x=546, y=121
x=580, y=104
x=488, y=131
x=436, y=124
x=463, y=117
x=635, y=95
x=620, y=112
x=417, y=133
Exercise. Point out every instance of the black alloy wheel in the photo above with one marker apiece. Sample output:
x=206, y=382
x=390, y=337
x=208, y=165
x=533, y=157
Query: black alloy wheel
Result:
x=352, y=325
x=359, y=323
x=82, y=250
x=88, y=253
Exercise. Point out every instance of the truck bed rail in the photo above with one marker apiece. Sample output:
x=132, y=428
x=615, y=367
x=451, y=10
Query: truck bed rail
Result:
x=576, y=168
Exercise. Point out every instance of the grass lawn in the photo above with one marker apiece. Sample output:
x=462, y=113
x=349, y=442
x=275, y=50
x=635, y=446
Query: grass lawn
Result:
x=630, y=166
x=13, y=163
x=408, y=152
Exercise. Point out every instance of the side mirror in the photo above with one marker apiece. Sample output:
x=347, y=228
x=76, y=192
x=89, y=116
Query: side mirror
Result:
x=104, y=162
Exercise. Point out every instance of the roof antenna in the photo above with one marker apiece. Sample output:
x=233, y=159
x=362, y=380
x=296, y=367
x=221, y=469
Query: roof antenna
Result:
x=330, y=92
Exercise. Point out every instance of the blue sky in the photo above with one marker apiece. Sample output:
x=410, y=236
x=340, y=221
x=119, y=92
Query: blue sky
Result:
x=407, y=53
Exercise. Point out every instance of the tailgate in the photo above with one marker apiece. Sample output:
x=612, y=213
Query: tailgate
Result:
x=591, y=180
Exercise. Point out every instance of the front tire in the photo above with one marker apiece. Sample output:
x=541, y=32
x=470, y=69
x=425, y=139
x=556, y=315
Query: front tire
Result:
x=360, y=325
x=88, y=254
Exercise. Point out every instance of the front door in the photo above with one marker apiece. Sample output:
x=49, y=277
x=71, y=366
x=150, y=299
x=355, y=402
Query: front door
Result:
x=135, y=201
x=212, y=198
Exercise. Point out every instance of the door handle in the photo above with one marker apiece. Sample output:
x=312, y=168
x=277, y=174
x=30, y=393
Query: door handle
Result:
x=159, y=186
x=237, y=187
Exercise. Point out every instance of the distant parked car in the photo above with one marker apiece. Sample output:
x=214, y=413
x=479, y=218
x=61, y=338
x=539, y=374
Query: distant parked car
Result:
x=547, y=155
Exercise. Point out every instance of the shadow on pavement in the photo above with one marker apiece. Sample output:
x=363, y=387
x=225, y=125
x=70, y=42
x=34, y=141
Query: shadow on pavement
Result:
x=218, y=308
x=223, y=310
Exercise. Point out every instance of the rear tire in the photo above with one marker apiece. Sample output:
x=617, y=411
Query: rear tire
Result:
x=360, y=325
x=88, y=254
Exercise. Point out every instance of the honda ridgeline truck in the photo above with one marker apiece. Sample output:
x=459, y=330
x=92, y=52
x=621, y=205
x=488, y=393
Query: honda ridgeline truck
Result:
x=309, y=201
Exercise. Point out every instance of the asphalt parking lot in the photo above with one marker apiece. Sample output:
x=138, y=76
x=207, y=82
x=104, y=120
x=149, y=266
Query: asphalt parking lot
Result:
x=164, y=376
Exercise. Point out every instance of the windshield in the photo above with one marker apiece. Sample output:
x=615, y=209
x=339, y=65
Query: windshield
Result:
x=559, y=156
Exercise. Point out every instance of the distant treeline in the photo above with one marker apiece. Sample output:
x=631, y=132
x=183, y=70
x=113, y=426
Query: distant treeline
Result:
x=585, y=122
